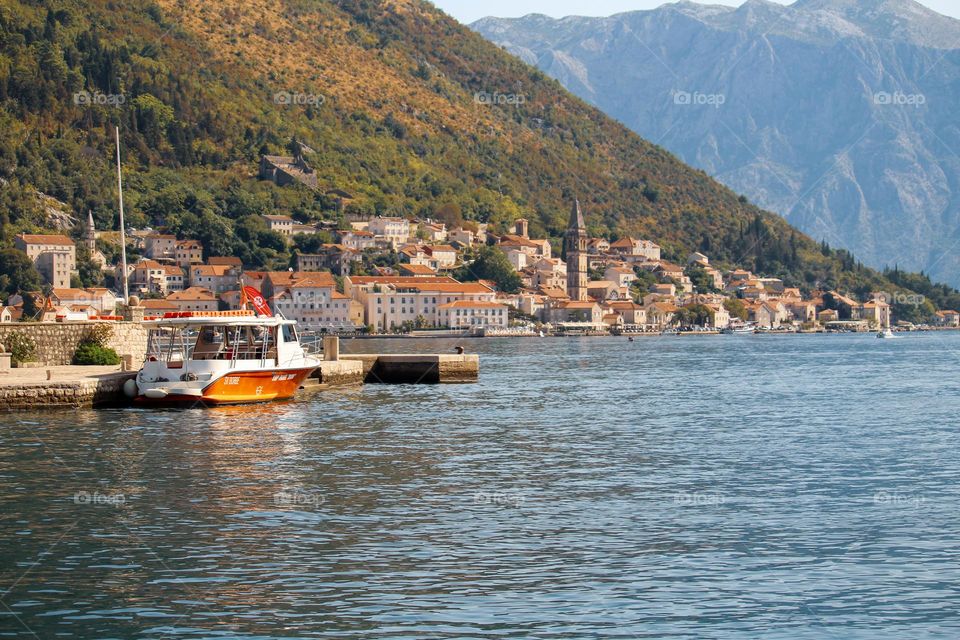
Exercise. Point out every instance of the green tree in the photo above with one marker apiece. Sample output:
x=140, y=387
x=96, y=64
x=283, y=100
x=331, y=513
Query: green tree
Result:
x=153, y=117
x=450, y=214
x=694, y=314
x=89, y=272
x=491, y=264
x=736, y=308
x=700, y=278
x=17, y=273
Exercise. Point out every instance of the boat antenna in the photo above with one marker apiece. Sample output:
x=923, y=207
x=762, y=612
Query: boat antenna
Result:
x=123, y=232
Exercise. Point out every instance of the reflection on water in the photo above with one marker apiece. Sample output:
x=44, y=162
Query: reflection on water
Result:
x=734, y=486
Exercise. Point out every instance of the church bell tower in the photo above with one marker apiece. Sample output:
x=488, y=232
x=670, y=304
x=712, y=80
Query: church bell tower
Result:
x=575, y=247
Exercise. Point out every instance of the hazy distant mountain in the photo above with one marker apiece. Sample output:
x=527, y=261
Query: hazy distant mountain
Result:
x=839, y=114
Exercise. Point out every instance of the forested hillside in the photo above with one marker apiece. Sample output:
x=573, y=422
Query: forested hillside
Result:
x=402, y=107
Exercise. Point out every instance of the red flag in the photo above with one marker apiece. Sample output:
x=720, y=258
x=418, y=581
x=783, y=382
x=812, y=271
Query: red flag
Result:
x=258, y=301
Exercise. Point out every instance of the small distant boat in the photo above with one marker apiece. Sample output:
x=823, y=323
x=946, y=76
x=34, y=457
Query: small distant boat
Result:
x=540, y=333
x=886, y=333
x=743, y=329
x=670, y=332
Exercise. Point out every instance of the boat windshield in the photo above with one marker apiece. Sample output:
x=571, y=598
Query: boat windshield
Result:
x=167, y=344
x=217, y=342
x=245, y=342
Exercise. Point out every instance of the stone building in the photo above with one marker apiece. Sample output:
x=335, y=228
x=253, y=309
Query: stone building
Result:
x=54, y=256
x=284, y=170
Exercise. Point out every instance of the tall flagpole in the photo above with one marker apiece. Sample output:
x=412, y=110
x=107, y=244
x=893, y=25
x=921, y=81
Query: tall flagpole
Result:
x=123, y=231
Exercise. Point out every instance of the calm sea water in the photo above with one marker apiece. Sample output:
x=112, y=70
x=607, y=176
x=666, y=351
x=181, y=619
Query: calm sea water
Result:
x=695, y=487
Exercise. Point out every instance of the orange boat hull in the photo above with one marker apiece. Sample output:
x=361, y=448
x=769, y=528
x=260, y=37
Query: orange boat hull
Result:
x=242, y=387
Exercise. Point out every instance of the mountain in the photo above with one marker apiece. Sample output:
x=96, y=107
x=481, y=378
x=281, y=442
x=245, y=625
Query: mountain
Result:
x=837, y=114
x=399, y=107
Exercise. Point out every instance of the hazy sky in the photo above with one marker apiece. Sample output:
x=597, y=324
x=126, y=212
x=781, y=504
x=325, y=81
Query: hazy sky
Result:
x=467, y=11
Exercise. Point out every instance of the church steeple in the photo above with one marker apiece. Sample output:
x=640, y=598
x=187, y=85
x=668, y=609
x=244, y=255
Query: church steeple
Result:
x=575, y=247
x=576, y=216
x=90, y=234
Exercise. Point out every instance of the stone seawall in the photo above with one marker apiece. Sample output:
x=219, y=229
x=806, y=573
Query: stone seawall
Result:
x=57, y=341
x=89, y=392
x=421, y=368
x=339, y=373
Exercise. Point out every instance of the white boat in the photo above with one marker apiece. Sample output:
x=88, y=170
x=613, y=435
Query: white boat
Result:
x=221, y=357
x=886, y=333
x=741, y=329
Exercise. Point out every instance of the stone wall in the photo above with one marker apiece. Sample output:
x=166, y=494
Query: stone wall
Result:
x=104, y=390
x=421, y=368
x=339, y=373
x=56, y=341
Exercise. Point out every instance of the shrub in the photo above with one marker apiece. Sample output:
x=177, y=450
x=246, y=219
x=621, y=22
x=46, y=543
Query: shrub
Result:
x=88, y=353
x=93, y=349
x=99, y=335
x=22, y=347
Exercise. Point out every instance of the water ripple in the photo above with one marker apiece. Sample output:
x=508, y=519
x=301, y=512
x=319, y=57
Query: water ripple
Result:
x=726, y=487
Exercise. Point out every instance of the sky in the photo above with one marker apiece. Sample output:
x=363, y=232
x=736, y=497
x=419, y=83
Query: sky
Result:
x=467, y=11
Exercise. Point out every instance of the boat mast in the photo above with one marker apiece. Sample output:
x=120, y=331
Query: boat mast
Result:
x=123, y=232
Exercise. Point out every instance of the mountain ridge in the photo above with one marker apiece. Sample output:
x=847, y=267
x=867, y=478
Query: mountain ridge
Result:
x=846, y=135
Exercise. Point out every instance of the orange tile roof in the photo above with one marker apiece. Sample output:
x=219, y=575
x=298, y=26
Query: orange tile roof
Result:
x=149, y=264
x=192, y=293
x=287, y=278
x=665, y=306
x=157, y=304
x=31, y=238
x=623, y=305
x=445, y=287
x=517, y=241
x=210, y=269
x=554, y=292
x=400, y=280
x=417, y=268
x=669, y=266
x=70, y=293
x=463, y=304
x=313, y=281
x=233, y=261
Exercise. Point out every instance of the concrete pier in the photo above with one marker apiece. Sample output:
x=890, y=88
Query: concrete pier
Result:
x=62, y=387
x=335, y=373
x=417, y=368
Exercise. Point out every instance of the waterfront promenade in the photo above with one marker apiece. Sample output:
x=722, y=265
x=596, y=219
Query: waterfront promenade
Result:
x=68, y=386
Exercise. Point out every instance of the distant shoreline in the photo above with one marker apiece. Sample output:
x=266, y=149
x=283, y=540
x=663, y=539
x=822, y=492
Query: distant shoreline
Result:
x=685, y=334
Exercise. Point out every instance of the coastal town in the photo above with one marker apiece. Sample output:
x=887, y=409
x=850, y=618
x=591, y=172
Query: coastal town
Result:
x=389, y=275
